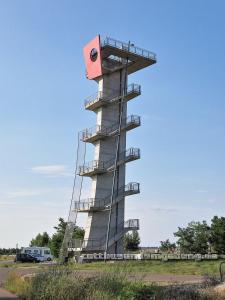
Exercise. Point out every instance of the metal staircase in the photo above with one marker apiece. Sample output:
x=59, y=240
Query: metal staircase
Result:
x=99, y=99
x=100, y=167
x=93, y=204
x=99, y=132
x=75, y=197
x=90, y=245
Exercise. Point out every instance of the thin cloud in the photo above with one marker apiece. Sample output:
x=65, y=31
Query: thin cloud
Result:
x=52, y=170
x=164, y=209
x=202, y=191
x=23, y=193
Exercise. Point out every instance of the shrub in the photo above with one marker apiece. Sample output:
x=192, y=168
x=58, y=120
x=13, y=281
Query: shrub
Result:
x=62, y=283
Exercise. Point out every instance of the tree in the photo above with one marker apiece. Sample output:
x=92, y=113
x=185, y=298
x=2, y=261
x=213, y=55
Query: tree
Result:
x=41, y=240
x=217, y=235
x=57, y=238
x=61, y=226
x=132, y=240
x=56, y=243
x=167, y=246
x=194, y=238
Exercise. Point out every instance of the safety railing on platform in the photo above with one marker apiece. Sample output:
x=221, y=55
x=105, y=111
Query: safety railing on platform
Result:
x=131, y=224
x=92, y=244
x=100, y=166
x=128, y=47
x=132, y=187
x=110, y=94
x=104, y=131
x=103, y=203
x=92, y=166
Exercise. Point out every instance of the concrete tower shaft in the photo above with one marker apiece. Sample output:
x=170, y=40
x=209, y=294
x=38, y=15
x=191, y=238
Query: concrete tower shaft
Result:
x=110, y=85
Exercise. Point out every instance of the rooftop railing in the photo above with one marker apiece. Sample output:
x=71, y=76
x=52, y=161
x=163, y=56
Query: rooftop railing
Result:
x=126, y=47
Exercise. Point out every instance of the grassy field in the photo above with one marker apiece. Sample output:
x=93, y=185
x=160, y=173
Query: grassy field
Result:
x=201, y=268
x=156, y=267
x=113, y=283
x=63, y=283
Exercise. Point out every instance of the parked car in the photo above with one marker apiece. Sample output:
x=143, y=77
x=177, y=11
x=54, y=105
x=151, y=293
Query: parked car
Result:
x=25, y=257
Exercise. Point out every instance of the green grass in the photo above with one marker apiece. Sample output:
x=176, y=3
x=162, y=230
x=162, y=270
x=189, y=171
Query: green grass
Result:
x=150, y=267
x=156, y=267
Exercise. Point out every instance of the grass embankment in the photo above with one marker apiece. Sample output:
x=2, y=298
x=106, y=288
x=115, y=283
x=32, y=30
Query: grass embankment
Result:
x=65, y=284
x=200, y=268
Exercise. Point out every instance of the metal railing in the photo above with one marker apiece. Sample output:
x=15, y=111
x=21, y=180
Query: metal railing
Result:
x=131, y=224
x=126, y=47
x=132, y=187
x=99, y=96
x=95, y=130
x=101, y=166
x=92, y=166
x=102, y=203
x=133, y=120
x=107, y=131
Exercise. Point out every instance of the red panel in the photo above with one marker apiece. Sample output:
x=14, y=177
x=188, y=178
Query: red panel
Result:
x=94, y=64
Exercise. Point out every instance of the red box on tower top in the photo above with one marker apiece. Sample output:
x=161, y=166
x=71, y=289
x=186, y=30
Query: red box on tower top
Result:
x=92, y=57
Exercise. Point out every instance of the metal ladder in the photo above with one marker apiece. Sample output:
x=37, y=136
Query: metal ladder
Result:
x=75, y=197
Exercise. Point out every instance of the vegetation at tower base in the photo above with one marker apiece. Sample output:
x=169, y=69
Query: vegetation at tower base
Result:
x=132, y=241
x=64, y=283
x=56, y=240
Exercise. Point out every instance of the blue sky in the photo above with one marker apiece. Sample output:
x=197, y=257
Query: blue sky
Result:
x=42, y=88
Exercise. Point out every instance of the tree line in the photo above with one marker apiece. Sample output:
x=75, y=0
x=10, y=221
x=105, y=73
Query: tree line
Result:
x=7, y=251
x=199, y=237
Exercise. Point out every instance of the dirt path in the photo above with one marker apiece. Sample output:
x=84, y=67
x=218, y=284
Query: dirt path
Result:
x=148, y=278
x=4, y=295
x=141, y=276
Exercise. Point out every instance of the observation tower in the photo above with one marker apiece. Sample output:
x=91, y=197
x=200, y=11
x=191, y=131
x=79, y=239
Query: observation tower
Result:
x=109, y=62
